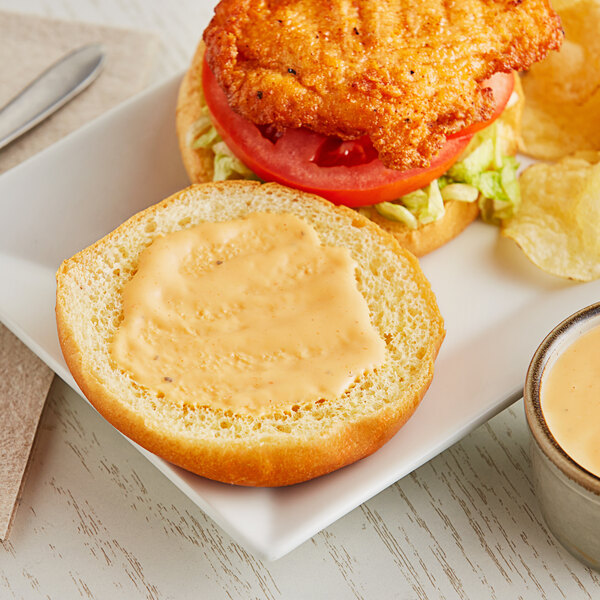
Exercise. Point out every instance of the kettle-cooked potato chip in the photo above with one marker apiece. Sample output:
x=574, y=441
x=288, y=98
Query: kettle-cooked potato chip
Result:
x=558, y=223
x=562, y=109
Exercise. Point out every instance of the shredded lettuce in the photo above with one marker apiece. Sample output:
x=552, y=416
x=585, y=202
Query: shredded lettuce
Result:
x=206, y=139
x=496, y=181
x=200, y=131
x=202, y=134
x=477, y=161
x=420, y=207
x=504, y=196
x=427, y=204
x=462, y=192
x=484, y=174
x=227, y=165
x=397, y=212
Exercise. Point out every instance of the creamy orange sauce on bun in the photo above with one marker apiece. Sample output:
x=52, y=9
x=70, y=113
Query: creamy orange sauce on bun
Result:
x=245, y=315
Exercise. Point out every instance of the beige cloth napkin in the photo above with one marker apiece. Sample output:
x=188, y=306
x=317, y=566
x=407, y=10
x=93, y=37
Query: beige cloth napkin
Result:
x=28, y=45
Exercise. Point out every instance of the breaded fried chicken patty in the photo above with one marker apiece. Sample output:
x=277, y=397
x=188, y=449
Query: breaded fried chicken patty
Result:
x=407, y=74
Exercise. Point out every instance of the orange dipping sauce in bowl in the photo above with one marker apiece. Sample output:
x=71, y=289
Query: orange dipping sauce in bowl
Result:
x=570, y=400
x=562, y=406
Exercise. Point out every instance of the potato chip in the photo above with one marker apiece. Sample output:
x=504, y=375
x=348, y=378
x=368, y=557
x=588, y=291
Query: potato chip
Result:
x=558, y=223
x=562, y=109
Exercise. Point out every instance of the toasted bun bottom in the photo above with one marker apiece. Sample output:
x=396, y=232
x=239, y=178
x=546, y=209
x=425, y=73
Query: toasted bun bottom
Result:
x=280, y=445
x=199, y=166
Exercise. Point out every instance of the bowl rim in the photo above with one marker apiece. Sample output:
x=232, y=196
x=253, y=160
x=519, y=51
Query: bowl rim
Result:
x=558, y=339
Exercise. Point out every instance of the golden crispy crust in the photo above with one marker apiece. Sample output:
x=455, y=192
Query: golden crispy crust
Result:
x=272, y=462
x=406, y=74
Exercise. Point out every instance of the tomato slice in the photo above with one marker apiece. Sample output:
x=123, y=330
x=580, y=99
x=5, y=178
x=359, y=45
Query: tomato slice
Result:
x=502, y=85
x=344, y=172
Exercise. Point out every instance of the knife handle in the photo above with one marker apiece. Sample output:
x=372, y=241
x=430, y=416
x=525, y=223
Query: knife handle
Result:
x=58, y=84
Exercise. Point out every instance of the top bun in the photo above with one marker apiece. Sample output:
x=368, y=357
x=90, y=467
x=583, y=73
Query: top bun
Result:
x=280, y=445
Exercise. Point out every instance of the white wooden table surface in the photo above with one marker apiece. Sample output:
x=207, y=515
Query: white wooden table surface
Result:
x=96, y=520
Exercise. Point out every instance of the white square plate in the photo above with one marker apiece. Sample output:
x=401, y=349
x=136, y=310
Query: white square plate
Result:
x=497, y=308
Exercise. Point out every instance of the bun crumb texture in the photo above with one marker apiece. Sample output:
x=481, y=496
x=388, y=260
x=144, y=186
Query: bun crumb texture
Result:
x=277, y=446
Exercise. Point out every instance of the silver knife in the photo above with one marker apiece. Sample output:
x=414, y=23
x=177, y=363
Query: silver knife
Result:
x=58, y=84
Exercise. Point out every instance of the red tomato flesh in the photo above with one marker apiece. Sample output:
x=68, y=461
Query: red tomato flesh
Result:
x=344, y=172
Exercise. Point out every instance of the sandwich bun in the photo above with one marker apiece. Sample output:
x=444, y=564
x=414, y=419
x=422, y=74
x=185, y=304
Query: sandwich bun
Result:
x=198, y=163
x=278, y=445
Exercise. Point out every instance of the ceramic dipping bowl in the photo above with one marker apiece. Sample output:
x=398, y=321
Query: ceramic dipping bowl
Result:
x=569, y=495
